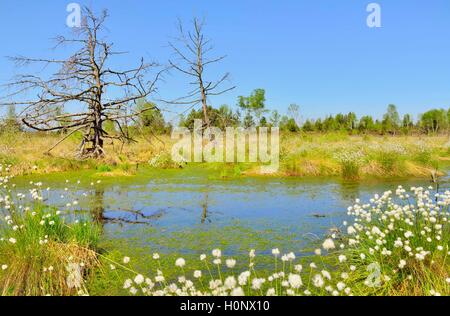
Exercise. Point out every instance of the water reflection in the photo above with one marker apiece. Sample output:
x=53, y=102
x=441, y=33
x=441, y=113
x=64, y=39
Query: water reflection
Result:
x=349, y=191
x=103, y=213
x=98, y=206
x=277, y=203
x=205, y=210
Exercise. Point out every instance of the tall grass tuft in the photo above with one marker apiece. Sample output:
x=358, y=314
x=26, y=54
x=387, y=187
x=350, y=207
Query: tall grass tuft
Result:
x=40, y=253
x=350, y=162
x=391, y=158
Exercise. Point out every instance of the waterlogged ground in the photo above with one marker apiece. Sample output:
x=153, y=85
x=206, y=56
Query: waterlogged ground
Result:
x=195, y=210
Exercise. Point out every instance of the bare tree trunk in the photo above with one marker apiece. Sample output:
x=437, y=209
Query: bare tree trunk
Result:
x=193, y=57
x=200, y=78
x=205, y=106
x=97, y=142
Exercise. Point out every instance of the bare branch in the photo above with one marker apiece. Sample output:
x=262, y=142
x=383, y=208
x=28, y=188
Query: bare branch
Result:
x=82, y=78
x=191, y=61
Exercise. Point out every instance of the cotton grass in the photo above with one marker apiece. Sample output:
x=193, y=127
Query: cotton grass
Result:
x=395, y=244
x=40, y=253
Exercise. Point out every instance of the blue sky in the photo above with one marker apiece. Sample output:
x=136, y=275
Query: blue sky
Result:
x=319, y=54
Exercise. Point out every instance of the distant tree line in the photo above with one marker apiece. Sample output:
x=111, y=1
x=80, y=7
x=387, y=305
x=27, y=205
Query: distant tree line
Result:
x=435, y=121
x=251, y=111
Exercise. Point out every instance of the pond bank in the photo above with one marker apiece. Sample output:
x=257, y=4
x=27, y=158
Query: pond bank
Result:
x=301, y=155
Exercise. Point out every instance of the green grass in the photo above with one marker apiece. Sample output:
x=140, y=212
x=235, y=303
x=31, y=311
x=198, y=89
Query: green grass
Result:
x=38, y=247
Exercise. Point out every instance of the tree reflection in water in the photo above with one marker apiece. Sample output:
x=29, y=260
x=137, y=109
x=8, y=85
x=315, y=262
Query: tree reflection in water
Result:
x=131, y=216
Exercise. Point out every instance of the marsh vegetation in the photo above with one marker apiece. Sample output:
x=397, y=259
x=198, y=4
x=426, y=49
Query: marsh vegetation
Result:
x=101, y=236
x=92, y=203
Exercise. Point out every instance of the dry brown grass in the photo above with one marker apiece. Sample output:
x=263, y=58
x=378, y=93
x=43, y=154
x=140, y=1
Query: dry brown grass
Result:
x=300, y=155
x=400, y=156
x=26, y=150
x=425, y=276
x=25, y=277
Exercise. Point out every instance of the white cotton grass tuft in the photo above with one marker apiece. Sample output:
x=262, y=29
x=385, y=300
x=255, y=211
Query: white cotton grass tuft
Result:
x=217, y=253
x=197, y=274
x=231, y=263
x=237, y=292
x=295, y=280
x=127, y=284
x=180, y=262
x=318, y=281
x=139, y=279
x=328, y=244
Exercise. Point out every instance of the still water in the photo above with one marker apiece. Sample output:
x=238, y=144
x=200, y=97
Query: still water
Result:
x=180, y=212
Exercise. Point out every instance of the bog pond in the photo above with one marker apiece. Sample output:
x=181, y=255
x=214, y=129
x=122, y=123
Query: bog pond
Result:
x=193, y=211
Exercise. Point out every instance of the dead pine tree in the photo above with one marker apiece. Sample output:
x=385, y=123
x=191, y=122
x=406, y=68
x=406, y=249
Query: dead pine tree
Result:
x=85, y=80
x=191, y=50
